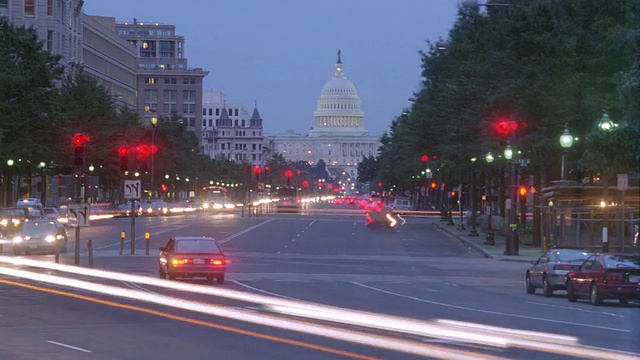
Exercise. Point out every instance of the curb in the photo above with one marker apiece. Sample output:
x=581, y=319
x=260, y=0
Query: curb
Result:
x=465, y=241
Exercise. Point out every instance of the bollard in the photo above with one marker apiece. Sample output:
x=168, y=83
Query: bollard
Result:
x=90, y=249
x=146, y=238
x=122, y=236
x=57, y=253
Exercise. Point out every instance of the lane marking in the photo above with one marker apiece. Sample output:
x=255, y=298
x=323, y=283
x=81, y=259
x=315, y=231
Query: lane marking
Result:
x=191, y=321
x=231, y=237
x=311, y=223
x=487, y=311
x=262, y=291
x=68, y=346
x=576, y=309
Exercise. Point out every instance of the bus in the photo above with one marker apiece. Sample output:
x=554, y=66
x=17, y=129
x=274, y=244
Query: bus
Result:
x=288, y=198
x=211, y=194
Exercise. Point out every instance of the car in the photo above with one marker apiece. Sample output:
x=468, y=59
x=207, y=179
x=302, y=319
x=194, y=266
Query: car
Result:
x=605, y=276
x=159, y=207
x=11, y=219
x=550, y=270
x=401, y=204
x=40, y=235
x=223, y=205
x=190, y=257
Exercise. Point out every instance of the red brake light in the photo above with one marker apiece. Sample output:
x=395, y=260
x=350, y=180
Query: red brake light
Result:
x=562, y=267
x=217, y=262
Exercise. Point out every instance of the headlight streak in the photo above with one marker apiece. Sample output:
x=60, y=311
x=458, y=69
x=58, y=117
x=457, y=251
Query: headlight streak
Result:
x=560, y=344
x=364, y=338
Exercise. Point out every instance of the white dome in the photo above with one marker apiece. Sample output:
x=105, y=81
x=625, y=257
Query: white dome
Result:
x=338, y=109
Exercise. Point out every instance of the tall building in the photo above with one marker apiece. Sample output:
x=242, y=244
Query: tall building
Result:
x=166, y=85
x=338, y=136
x=57, y=23
x=229, y=132
x=110, y=59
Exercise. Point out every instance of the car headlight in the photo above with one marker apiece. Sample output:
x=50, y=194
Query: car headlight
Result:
x=59, y=237
x=17, y=240
x=50, y=238
x=217, y=206
x=4, y=222
x=229, y=206
x=206, y=206
x=15, y=222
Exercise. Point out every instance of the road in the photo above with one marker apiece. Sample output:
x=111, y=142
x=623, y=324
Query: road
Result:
x=415, y=271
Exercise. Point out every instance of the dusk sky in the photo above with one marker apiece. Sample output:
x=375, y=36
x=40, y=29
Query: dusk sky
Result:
x=281, y=52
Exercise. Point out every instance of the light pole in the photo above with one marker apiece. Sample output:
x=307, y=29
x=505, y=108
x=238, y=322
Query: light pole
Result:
x=154, y=125
x=474, y=202
x=10, y=163
x=490, y=239
x=566, y=140
x=512, y=244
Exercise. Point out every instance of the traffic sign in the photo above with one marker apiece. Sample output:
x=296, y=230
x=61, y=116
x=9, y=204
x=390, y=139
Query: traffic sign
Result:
x=132, y=189
x=623, y=182
x=79, y=215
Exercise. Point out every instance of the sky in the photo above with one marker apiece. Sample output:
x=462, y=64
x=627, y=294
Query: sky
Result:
x=280, y=53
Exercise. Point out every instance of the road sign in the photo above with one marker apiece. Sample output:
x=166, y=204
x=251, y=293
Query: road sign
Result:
x=132, y=189
x=79, y=215
x=260, y=186
x=623, y=182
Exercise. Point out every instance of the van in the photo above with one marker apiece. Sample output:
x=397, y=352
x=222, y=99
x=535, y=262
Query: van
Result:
x=402, y=204
x=33, y=205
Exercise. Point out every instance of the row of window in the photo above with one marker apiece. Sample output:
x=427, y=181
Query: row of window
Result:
x=187, y=95
x=162, y=32
x=239, y=146
x=171, y=81
x=339, y=106
x=231, y=112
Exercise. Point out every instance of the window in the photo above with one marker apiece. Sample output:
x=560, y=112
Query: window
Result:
x=243, y=123
x=50, y=40
x=171, y=81
x=236, y=123
x=170, y=108
x=236, y=111
x=150, y=80
x=49, y=7
x=188, y=95
x=189, y=81
x=170, y=94
x=192, y=122
x=204, y=112
x=188, y=108
x=29, y=7
x=151, y=94
x=253, y=147
x=217, y=112
x=197, y=246
x=210, y=111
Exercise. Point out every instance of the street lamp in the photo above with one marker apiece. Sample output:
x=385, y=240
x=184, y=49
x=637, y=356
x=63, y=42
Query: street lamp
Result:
x=566, y=140
x=154, y=125
x=10, y=163
x=490, y=239
x=474, y=203
x=512, y=244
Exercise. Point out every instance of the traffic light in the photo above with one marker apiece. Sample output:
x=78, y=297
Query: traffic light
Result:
x=142, y=156
x=123, y=151
x=523, y=194
x=267, y=173
x=424, y=159
x=256, y=171
x=305, y=184
x=505, y=130
x=288, y=175
x=78, y=149
x=434, y=185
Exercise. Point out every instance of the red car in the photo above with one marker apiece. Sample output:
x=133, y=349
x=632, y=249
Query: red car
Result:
x=605, y=276
x=190, y=257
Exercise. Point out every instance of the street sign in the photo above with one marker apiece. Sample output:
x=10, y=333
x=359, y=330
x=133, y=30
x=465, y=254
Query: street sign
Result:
x=260, y=186
x=132, y=189
x=623, y=182
x=79, y=215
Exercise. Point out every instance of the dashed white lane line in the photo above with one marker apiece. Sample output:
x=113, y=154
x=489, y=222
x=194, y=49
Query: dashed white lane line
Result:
x=488, y=311
x=231, y=237
x=576, y=309
x=262, y=291
x=68, y=346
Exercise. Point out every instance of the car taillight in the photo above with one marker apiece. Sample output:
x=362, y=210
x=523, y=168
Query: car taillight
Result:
x=613, y=277
x=181, y=261
x=562, y=267
x=217, y=262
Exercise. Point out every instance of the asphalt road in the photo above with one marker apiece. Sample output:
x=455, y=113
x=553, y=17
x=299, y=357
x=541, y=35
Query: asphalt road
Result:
x=414, y=271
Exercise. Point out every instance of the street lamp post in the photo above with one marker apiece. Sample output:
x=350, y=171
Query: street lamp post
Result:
x=490, y=239
x=474, y=202
x=566, y=140
x=154, y=125
x=512, y=244
x=10, y=163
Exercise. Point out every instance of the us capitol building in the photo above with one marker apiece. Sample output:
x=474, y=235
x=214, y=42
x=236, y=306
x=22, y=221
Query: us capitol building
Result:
x=338, y=136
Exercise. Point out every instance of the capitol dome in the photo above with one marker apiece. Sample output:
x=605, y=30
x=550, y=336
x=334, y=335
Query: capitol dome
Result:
x=338, y=111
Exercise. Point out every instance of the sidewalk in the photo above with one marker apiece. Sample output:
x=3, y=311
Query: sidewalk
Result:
x=527, y=253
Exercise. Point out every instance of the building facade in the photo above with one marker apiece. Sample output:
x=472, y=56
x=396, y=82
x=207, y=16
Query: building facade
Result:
x=58, y=25
x=229, y=132
x=338, y=136
x=166, y=85
x=110, y=59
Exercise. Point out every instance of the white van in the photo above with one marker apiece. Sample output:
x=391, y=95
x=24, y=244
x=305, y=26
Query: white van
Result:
x=402, y=204
x=34, y=205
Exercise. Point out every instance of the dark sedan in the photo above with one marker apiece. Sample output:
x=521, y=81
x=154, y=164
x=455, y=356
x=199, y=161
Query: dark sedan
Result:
x=550, y=270
x=605, y=276
x=190, y=257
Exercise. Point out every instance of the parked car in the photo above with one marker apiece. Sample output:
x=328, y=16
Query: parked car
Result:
x=191, y=257
x=550, y=270
x=605, y=276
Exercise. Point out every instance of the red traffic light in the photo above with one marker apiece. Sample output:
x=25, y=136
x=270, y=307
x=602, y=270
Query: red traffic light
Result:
x=266, y=168
x=425, y=158
x=305, y=184
x=154, y=149
x=434, y=185
x=522, y=191
x=506, y=127
x=288, y=174
x=123, y=150
x=79, y=139
x=144, y=150
x=379, y=184
x=256, y=170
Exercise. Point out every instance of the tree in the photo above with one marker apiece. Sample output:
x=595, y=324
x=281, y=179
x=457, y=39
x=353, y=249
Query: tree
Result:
x=367, y=169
